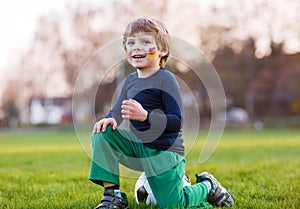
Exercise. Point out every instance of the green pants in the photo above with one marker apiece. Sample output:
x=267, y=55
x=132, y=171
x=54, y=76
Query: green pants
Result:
x=164, y=169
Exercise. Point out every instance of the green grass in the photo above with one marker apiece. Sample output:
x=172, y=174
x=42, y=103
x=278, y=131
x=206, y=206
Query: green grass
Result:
x=50, y=170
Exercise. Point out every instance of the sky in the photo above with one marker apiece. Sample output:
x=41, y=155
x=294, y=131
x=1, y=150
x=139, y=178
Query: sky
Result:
x=18, y=22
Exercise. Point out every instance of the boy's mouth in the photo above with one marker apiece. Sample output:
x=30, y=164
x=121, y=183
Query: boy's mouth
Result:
x=138, y=56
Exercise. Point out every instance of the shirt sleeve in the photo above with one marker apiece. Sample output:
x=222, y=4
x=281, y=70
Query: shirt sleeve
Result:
x=172, y=116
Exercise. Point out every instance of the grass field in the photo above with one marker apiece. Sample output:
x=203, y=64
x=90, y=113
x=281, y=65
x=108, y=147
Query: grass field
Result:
x=49, y=169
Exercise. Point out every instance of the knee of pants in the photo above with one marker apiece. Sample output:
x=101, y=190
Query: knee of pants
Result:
x=103, y=134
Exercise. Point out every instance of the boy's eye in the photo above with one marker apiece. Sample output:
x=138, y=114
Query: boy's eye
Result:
x=130, y=43
x=146, y=41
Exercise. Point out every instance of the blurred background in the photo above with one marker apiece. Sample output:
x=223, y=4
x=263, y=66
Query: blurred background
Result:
x=253, y=44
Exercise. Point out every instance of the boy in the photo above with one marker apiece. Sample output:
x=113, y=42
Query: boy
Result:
x=150, y=99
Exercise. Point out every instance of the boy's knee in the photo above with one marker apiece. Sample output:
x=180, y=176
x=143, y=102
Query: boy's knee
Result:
x=103, y=134
x=108, y=129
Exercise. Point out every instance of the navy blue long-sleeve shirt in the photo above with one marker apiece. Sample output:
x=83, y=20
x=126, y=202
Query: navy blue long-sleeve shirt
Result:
x=160, y=96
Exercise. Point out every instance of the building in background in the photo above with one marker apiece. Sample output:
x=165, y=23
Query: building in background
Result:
x=50, y=111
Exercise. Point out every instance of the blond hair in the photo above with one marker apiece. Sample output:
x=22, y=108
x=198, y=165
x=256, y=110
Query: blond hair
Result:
x=150, y=25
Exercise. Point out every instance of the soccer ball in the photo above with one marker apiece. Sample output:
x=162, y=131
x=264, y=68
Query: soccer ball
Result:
x=143, y=192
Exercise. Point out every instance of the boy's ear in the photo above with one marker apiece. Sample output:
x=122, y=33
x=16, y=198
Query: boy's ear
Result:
x=164, y=52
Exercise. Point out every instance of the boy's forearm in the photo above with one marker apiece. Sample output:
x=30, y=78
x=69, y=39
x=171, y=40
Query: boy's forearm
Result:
x=170, y=122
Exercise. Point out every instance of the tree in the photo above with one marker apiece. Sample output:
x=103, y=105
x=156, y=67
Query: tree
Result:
x=8, y=103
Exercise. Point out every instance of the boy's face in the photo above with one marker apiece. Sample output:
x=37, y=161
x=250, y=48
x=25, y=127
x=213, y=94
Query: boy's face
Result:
x=142, y=52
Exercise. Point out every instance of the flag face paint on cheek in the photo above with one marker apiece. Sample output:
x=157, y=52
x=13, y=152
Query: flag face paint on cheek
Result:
x=152, y=52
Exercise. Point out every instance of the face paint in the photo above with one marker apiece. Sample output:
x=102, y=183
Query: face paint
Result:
x=152, y=52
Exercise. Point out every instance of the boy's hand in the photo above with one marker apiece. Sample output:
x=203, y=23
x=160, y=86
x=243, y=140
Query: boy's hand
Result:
x=104, y=123
x=133, y=110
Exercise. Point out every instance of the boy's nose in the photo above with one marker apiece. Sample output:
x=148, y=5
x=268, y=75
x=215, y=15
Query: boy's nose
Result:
x=137, y=46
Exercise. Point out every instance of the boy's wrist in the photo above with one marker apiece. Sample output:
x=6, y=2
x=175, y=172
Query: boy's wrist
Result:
x=145, y=116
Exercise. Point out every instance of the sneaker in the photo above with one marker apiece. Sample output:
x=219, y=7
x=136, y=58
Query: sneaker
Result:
x=218, y=196
x=109, y=201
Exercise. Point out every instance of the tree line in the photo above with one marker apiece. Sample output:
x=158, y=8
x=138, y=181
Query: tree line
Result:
x=265, y=86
